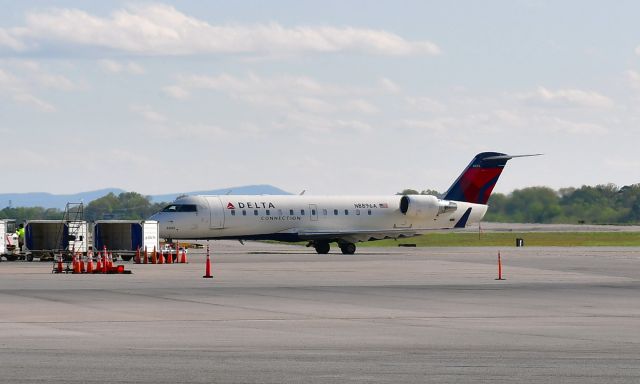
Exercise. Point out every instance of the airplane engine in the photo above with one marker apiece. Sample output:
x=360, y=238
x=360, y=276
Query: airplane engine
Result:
x=425, y=206
x=421, y=206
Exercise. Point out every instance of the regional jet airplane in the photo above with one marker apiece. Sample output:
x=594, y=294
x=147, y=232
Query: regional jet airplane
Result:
x=345, y=220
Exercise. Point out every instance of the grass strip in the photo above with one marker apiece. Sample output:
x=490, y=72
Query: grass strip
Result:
x=504, y=239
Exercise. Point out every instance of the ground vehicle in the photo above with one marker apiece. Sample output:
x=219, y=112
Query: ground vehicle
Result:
x=44, y=238
x=9, y=247
x=170, y=249
x=124, y=237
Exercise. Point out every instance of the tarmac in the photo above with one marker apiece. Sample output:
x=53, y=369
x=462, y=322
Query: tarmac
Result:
x=283, y=314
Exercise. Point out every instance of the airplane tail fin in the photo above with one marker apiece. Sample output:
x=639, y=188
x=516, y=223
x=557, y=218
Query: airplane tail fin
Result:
x=476, y=182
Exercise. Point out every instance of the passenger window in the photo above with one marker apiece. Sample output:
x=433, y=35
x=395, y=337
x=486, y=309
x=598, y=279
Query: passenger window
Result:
x=313, y=212
x=279, y=212
x=335, y=212
x=324, y=212
x=244, y=212
x=268, y=212
x=346, y=212
x=369, y=212
x=255, y=212
x=302, y=212
x=358, y=212
x=291, y=212
x=233, y=212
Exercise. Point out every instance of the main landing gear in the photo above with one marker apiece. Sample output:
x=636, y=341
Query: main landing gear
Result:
x=322, y=248
x=347, y=248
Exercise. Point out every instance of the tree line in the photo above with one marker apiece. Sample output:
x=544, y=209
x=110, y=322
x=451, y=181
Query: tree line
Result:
x=600, y=204
x=124, y=206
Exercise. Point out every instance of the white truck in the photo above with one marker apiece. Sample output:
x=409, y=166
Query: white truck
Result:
x=45, y=238
x=9, y=242
x=124, y=237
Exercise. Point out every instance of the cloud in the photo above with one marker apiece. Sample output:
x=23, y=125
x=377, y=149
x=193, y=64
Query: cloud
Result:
x=284, y=93
x=171, y=131
x=158, y=29
x=575, y=128
x=389, y=86
x=8, y=40
x=19, y=91
x=503, y=123
x=360, y=106
x=310, y=125
x=113, y=66
x=176, y=92
x=252, y=83
x=57, y=82
x=8, y=80
x=567, y=98
x=29, y=99
x=148, y=113
x=634, y=78
x=425, y=104
x=311, y=104
x=32, y=75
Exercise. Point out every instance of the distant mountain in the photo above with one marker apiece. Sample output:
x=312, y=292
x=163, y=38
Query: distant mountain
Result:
x=48, y=200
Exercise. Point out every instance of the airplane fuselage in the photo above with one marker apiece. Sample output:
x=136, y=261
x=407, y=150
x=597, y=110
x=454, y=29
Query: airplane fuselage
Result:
x=346, y=220
x=298, y=218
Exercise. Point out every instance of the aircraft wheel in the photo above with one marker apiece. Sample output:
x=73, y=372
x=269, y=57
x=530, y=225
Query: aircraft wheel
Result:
x=348, y=248
x=322, y=248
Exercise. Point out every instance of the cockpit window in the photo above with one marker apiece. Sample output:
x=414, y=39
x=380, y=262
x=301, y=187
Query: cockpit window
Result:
x=180, y=208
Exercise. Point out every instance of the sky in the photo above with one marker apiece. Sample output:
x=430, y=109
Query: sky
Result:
x=331, y=97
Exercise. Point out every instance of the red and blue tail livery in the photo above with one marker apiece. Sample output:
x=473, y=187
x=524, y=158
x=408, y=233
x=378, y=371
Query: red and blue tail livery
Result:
x=476, y=182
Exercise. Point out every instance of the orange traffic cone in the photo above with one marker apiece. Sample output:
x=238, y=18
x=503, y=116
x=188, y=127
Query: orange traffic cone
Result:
x=154, y=256
x=208, y=266
x=161, y=258
x=169, y=257
x=81, y=262
x=75, y=264
x=99, y=263
x=146, y=256
x=499, y=267
x=104, y=260
x=137, y=258
x=184, y=257
x=59, y=267
x=110, y=261
x=90, y=262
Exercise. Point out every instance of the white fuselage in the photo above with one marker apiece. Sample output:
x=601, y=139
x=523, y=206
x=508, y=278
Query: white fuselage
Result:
x=295, y=218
